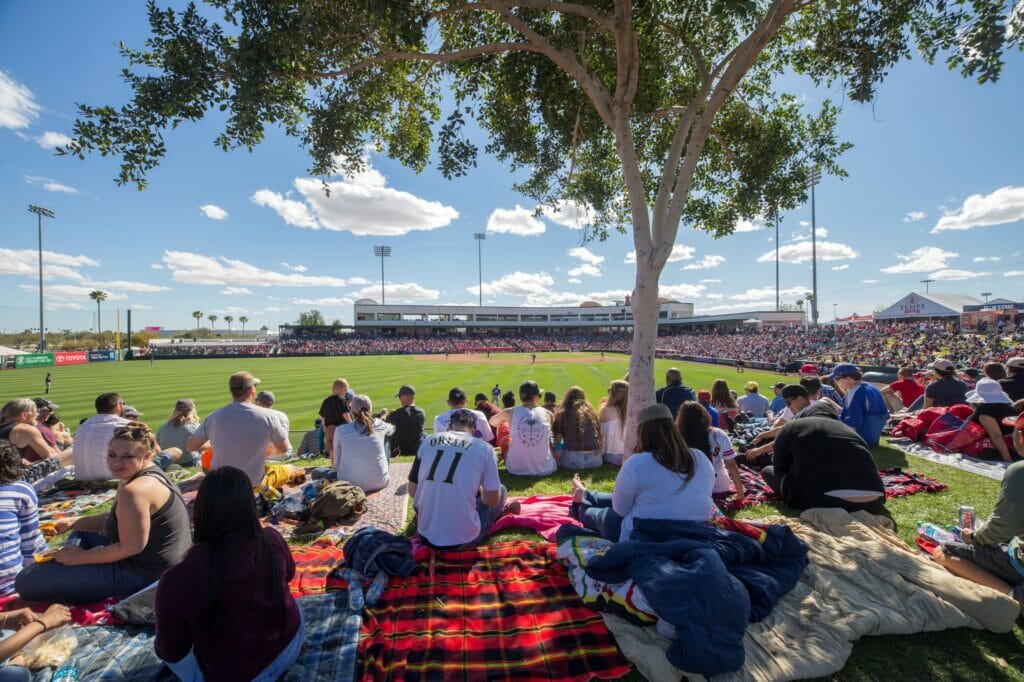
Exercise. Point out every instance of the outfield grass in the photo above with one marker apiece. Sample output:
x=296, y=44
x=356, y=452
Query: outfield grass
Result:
x=301, y=383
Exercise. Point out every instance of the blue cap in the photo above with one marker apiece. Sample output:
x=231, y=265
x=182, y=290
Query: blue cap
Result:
x=844, y=369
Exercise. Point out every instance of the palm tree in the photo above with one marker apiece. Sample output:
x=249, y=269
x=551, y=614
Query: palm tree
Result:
x=198, y=314
x=243, y=319
x=229, y=319
x=99, y=296
x=212, y=319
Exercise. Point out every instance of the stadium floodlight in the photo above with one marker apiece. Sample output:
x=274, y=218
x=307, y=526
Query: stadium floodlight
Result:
x=382, y=252
x=986, y=294
x=813, y=179
x=480, y=237
x=926, y=282
x=777, y=306
x=40, y=214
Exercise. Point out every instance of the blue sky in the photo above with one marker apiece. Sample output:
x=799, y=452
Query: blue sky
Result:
x=936, y=189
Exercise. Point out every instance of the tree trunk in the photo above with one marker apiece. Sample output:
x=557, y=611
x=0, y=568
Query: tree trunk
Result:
x=99, y=325
x=645, y=336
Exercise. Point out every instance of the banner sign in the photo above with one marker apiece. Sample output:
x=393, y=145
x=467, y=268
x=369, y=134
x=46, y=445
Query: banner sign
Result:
x=73, y=357
x=33, y=360
x=152, y=329
x=915, y=305
x=102, y=355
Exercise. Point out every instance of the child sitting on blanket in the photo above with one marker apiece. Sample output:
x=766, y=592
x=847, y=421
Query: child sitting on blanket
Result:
x=993, y=554
x=664, y=480
x=225, y=612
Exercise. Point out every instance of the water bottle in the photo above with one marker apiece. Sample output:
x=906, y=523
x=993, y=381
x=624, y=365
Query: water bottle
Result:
x=936, y=533
x=66, y=673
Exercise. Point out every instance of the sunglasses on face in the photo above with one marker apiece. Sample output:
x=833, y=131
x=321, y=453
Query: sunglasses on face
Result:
x=131, y=433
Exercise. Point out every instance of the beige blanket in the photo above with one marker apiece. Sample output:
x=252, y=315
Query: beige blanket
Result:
x=862, y=580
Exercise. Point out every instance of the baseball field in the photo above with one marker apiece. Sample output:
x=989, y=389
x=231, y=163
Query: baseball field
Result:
x=301, y=383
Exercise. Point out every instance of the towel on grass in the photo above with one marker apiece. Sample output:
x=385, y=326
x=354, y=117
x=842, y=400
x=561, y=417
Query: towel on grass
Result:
x=993, y=469
x=542, y=513
x=495, y=612
x=312, y=564
x=898, y=483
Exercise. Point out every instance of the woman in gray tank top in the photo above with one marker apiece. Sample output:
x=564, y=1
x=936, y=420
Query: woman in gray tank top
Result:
x=120, y=552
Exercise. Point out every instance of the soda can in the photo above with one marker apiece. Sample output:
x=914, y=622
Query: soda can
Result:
x=966, y=518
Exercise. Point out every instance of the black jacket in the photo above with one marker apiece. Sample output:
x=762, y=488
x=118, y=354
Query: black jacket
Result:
x=817, y=453
x=674, y=395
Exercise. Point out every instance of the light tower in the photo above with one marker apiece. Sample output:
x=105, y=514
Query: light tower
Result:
x=480, y=237
x=40, y=214
x=382, y=252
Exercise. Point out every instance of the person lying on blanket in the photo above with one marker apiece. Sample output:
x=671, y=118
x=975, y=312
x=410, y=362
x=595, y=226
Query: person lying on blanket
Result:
x=664, y=480
x=225, y=612
x=120, y=552
x=19, y=628
x=991, y=406
x=819, y=461
x=993, y=554
x=694, y=424
x=455, y=487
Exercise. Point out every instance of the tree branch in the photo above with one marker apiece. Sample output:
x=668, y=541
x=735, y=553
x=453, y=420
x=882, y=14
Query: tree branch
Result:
x=626, y=58
x=590, y=13
x=387, y=57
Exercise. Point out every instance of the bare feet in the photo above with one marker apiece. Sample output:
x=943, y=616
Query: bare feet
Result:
x=577, y=489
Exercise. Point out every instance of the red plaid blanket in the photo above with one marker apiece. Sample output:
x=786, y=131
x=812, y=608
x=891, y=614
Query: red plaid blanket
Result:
x=312, y=564
x=496, y=612
x=898, y=483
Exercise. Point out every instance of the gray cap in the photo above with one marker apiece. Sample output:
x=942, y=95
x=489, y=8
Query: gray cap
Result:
x=652, y=412
x=406, y=390
x=266, y=397
x=129, y=412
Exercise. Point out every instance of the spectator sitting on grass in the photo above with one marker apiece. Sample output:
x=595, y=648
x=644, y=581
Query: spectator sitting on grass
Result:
x=266, y=400
x=529, y=450
x=550, y=401
x=753, y=402
x=694, y=425
x=674, y=393
x=362, y=448
x=408, y=421
x=173, y=435
x=577, y=428
x=991, y=407
x=457, y=400
x=20, y=538
x=503, y=434
x=312, y=444
x=93, y=437
x=993, y=554
x=864, y=408
x=18, y=425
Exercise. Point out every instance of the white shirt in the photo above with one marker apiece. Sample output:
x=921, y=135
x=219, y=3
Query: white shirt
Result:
x=483, y=428
x=239, y=433
x=361, y=458
x=721, y=451
x=92, y=442
x=613, y=436
x=646, y=490
x=529, y=448
x=451, y=469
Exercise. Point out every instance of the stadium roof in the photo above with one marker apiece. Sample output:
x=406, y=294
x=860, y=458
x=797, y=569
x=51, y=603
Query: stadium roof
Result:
x=916, y=304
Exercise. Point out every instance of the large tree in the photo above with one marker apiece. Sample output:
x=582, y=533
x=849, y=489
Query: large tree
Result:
x=643, y=114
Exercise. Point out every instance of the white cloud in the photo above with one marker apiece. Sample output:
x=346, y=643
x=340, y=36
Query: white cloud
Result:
x=399, y=291
x=232, y=310
x=235, y=291
x=584, y=269
x=802, y=235
x=987, y=259
x=573, y=280
x=714, y=297
x=156, y=266
x=869, y=281
x=52, y=140
x=844, y=266
x=55, y=265
x=1005, y=205
x=358, y=281
x=914, y=216
x=140, y=306
x=124, y=285
x=303, y=268
x=705, y=263
x=710, y=281
x=679, y=252
x=18, y=107
x=585, y=255
x=922, y=259
x=800, y=252
x=955, y=275
x=1014, y=273
x=194, y=268
x=768, y=293
x=519, y=221
x=213, y=212
x=49, y=185
x=681, y=291
x=517, y=284
x=326, y=302
x=66, y=292
x=292, y=212
x=744, y=225
x=569, y=214
x=58, y=305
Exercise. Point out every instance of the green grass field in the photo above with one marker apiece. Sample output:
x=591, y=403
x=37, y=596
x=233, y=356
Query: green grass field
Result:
x=301, y=383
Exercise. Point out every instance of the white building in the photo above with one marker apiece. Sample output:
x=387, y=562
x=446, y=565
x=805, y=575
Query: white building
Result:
x=916, y=305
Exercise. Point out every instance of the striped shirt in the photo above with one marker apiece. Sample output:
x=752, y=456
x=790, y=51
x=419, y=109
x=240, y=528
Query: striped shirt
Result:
x=19, y=531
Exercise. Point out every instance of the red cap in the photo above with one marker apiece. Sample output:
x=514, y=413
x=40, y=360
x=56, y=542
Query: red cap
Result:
x=808, y=369
x=703, y=395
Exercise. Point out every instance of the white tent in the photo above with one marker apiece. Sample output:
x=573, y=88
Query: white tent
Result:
x=7, y=350
x=918, y=305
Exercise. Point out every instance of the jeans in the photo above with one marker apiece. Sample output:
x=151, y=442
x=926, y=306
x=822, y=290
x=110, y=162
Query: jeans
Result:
x=580, y=459
x=488, y=515
x=187, y=669
x=54, y=582
x=14, y=673
x=596, y=513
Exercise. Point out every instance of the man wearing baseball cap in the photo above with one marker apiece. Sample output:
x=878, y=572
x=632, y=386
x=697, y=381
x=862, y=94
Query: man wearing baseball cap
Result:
x=753, y=402
x=778, y=403
x=1013, y=385
x=242, y=432
x=408, y=421
x=864, y=408
x=266, y=400
x=946, y=390
x=529, y=449
x=704, y=398
x=457, y=400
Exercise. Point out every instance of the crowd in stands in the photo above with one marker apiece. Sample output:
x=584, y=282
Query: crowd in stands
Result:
x=223, y=608
x=898, y=344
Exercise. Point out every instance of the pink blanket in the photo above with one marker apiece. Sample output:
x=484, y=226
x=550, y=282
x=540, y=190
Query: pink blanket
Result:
x=542, y=513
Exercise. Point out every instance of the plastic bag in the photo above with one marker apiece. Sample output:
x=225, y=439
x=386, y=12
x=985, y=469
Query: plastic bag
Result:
x=50, y=649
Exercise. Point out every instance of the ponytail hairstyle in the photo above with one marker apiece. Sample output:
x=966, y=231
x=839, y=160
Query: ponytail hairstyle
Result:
x=362, y=412
x=662, y=439
x=694, y=424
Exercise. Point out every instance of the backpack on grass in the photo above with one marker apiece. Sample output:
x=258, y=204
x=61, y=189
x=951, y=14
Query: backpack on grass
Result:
x=338, y=501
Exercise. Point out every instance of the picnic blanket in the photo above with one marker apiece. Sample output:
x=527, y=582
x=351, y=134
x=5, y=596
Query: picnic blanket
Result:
x=898, y=483
x=312, y=564
x=983, y=467
x=495, y=612
x=56, y=503
x=542, y=513
x=862, y=580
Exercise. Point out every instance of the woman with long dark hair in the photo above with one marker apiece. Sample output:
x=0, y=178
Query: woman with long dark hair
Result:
x=664, y=480
x=225, y=612
x=694, y=424
x=578, y=429
x=723, y=400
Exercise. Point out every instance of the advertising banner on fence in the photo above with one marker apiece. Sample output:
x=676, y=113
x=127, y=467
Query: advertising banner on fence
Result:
x=102, y=355
x=72, y=357
x=33, y=360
